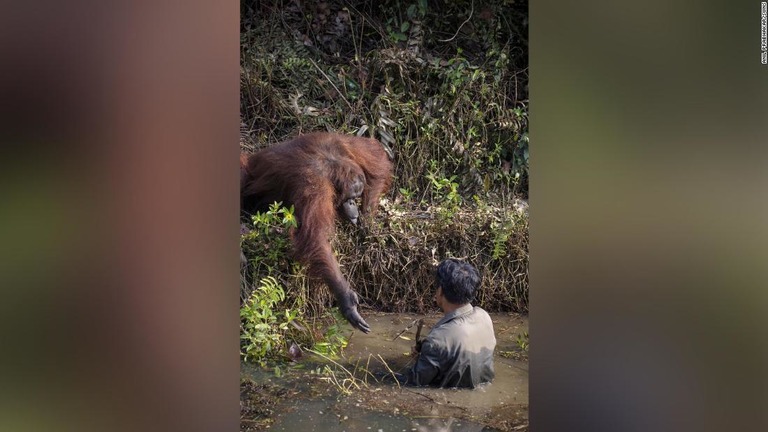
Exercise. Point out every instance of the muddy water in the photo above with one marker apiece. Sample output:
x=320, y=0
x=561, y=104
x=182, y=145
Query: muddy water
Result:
x=500, y=406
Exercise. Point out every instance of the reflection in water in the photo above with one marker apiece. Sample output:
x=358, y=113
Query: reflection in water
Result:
x=449, y=425
x=510, y=386
x=320, y=416
x=386, y=408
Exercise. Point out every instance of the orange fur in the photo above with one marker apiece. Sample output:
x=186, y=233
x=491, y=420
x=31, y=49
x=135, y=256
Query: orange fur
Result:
x=311, y=172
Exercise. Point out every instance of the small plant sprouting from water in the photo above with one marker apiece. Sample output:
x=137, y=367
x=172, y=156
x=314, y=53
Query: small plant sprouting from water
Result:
x=338, y=375
x=346, y=379
x=520, y=351
x=523, y=341
x=333, y=341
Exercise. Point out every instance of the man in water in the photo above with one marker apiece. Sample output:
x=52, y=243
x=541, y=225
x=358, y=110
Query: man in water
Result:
x=458, y=351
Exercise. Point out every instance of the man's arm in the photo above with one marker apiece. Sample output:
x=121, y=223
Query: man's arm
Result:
x=427, y=366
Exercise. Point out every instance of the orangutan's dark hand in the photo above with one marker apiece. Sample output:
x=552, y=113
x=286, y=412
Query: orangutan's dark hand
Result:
x=348, y=306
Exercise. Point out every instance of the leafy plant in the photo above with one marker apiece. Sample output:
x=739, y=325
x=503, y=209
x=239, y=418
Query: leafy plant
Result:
x=266, y=244
x=333, y=341
x=501, y=233
x=398, y=27
x=445, y=190
x=406, y=193
x=262, y=326
x=277, y=216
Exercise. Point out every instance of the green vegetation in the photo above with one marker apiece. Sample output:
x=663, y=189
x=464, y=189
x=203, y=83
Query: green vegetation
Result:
x=333, y=340
x=263, y=328
x=271, y=322
x=266, y=243
x=523, y=341
x=444, y=86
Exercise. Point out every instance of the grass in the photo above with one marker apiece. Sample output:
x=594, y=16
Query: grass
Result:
x=443, y=85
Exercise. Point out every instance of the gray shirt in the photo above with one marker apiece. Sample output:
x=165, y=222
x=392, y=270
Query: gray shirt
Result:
x=458, y=352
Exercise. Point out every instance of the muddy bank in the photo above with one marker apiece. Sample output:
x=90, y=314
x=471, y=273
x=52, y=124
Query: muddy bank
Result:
x=302, y=399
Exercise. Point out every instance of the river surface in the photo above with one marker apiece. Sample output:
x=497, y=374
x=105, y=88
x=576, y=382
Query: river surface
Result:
x=316, y=404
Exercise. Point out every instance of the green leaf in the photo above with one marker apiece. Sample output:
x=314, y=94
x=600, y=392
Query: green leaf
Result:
x=399, y=37
x=411, y=11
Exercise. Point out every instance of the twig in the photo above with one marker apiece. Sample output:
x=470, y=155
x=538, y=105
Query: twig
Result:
x=420, y=394
x=390, y=371
x=368, y=368
x=329, y=80
x=406, y=329
x=365, y=369
x=462, y=24
x=337, y=364
x=418, y=329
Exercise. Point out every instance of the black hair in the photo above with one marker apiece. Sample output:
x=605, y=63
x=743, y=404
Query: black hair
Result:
x=459, y=280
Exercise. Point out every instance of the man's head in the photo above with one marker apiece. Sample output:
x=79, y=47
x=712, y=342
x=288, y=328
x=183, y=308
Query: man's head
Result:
x=457, y=283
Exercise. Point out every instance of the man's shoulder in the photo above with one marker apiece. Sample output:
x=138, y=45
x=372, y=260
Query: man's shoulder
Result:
x=480, y=311
x=442, y=331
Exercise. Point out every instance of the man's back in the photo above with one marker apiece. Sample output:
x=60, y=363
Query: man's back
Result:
x=458, y=352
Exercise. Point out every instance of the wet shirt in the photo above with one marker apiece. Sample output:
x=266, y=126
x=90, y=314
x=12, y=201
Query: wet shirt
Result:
x=458, y=352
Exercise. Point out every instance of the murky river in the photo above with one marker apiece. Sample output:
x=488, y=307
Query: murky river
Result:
x=379, y=407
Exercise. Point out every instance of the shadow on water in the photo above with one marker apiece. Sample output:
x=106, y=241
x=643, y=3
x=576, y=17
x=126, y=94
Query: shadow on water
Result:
x=305, y=402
